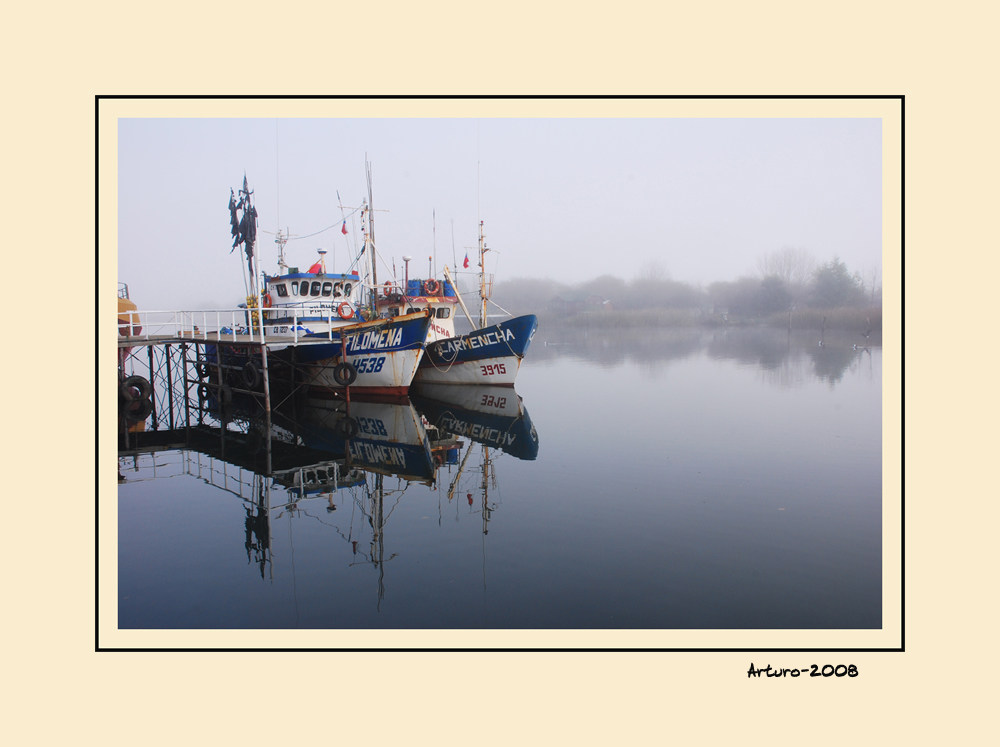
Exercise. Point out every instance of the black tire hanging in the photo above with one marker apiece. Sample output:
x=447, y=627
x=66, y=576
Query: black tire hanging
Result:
x=346, y=427
x=135, y=388
x=137, y=410
x=225, y=394
x=204, y=392
x=251, y=374
x=201, y=367
x=344, y=373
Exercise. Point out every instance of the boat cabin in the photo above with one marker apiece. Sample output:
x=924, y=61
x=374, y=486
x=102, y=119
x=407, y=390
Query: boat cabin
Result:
x=311, y=294
x=417, y=295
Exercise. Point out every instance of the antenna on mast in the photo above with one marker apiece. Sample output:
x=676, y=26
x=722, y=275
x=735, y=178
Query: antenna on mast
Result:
x=281, y=239
x=277, y=181
x=371, y=234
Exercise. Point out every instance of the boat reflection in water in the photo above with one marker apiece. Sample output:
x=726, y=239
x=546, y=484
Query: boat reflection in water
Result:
x=489, y=415
x=322, y=455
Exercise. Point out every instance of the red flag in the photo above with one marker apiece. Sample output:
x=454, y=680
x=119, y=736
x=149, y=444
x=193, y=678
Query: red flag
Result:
x=316, y=268
x=344, y=229
x=466, y=264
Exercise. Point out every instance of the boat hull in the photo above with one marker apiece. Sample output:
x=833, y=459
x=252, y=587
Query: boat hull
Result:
x=385, y=355
x=488, y=356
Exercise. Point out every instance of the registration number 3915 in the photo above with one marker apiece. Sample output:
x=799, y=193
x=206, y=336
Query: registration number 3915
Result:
x=494, y=369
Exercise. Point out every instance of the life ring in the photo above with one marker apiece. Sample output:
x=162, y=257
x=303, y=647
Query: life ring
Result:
x=344, y=373
x=266, y=300
x=135, y=388
x=346, y=427
x=251, y=375
x=431, y=287
x=345, y=311
x=387, y=288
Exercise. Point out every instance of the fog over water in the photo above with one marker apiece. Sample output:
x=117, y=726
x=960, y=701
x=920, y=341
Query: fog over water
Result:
x=568, y=199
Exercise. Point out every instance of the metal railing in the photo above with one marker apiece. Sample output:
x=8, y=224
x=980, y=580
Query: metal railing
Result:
x=221, y=325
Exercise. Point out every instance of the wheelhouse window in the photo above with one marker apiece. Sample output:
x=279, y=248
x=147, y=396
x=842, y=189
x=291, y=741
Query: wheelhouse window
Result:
x=327, y=289
x=314, y=290
x=295, y=287
x=282, y=290
x=443, y=312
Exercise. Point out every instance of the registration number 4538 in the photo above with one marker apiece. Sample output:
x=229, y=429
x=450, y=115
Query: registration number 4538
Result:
x=494, y=369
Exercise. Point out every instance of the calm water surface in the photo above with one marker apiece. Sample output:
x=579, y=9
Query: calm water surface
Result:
x=681, y=479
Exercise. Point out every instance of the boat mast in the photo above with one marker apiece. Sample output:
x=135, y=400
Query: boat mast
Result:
x=371, y=239
x=482, y=275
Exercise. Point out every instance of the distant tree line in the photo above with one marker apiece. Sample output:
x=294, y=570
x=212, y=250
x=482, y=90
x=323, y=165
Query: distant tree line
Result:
x=786, y=280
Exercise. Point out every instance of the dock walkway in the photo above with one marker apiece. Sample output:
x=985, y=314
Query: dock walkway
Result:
x=167, y=372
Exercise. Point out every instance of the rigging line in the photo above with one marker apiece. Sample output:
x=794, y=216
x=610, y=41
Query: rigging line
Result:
x=379, y=255
x=296, y=238
x=387, y=516
x=490, y=300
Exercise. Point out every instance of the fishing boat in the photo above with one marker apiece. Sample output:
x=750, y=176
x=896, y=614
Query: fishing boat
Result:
x=319, y=323
x=490, y=354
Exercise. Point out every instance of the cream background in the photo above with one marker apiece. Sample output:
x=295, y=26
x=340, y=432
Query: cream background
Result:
x=58, y=59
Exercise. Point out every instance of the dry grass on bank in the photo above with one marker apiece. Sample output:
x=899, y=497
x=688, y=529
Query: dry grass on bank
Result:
x=847, y=319
x=836, y=319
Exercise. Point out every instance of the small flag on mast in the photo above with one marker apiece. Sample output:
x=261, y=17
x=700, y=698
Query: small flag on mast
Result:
x=343, y=230
x=466, y=263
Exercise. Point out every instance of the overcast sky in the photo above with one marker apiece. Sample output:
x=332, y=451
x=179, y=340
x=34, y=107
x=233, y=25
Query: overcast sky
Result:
x=567, y=199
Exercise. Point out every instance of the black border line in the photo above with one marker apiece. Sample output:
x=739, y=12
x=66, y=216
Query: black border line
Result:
x=97, y=140
x=902, y=378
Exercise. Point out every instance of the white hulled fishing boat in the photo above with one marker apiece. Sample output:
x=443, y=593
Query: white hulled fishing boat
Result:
x=490, y=354
x=319, y=322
